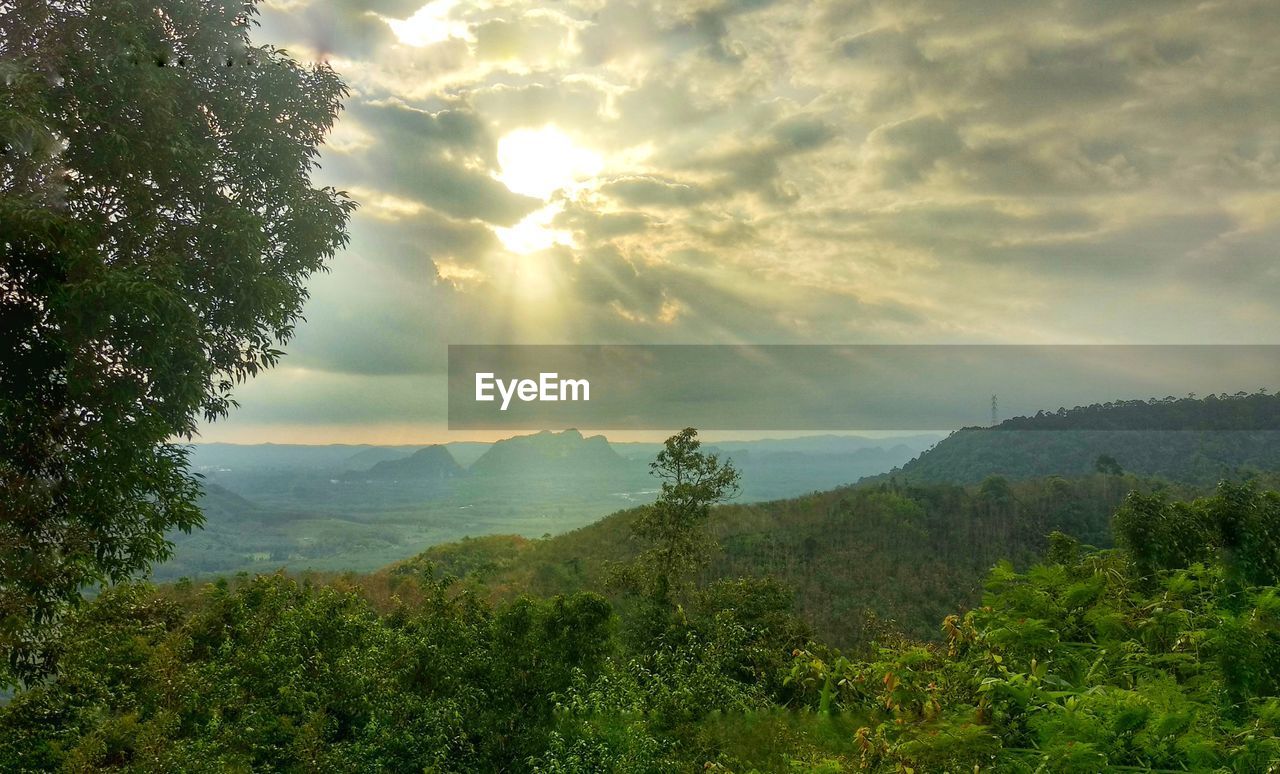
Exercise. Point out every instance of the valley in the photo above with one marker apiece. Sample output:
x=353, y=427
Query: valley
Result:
x=356, y=508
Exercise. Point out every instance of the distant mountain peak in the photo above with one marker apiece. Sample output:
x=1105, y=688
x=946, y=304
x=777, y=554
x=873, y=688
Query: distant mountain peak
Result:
x=427, y=463
x=548, y=453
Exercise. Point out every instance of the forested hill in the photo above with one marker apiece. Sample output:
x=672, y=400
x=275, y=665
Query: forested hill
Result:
x=1195, y=440
x=1242, y=411
x=913, y=554
x=1200, y=457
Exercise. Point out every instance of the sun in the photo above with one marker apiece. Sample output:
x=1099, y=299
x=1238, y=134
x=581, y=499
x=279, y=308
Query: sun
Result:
x=539, y=162
x=431, y=24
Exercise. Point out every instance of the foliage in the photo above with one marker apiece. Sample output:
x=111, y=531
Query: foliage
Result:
x=853, y=558
x=675, y=525
x=1160, y=655
x=158, y=223
x=1241, y=526
x=648, y=710
x=1107, y=465
x=1099, y=661
x=282, y=675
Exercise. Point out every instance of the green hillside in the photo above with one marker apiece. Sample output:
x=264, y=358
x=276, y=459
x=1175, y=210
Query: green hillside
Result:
x=1197, y=456
x=913, y=545
x=1160, y=655
x=1195, y=440
x=853, y=556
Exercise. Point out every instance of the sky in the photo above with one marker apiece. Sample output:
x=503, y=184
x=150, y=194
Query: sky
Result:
x=745, y=171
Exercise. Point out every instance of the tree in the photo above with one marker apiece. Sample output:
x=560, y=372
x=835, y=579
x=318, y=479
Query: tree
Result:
x=675, y=525
x=1107, y=465
x=158, y=224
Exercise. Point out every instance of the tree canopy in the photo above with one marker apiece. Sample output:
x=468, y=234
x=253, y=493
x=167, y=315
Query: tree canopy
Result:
x=158, y=223
x=1147, y=657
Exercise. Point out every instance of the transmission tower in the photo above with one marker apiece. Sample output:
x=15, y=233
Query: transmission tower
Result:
x=994, y=420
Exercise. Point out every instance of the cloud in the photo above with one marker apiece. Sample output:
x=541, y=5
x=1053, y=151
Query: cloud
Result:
x=351, y=29
x=443, y=159
x=915, y=170
x=653, y=191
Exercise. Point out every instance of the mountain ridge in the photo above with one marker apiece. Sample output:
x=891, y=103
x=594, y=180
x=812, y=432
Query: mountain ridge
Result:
x=429, y=463
x=548, y=453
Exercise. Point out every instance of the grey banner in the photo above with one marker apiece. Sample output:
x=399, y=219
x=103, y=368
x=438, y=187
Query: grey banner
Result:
x=830, y=387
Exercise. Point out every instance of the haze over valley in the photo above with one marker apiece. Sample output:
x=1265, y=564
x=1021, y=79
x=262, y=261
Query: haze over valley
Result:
x=358, y=507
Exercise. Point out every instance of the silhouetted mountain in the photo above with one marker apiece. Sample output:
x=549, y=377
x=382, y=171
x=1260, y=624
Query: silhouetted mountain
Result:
x=324, y=507
x=467, y=452
x=220, y=503
x=548, y=454
x=366, y=459
x=283, y=457
x=429, y=464
x=831, y=444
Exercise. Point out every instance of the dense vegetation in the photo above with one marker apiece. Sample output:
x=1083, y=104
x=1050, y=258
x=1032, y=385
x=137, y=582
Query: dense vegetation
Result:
x=852, y=557
x=280, y=675
x=1160, y=655
x=1163, y=655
